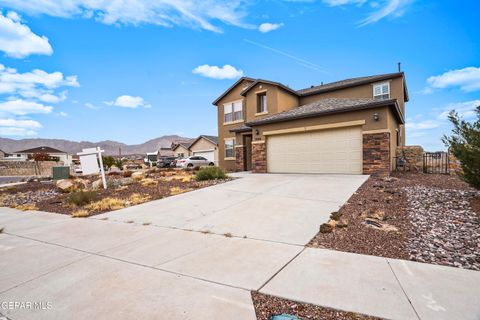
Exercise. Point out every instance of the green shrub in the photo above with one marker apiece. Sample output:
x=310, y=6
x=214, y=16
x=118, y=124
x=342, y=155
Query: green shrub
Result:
x=210, y=173
x=80, y=198
x=464, y=143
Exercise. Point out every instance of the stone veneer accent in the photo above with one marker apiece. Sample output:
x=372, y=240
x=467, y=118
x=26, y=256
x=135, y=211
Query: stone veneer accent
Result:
x=376, y=153
x=413, y=156
x=259, y=157
x=239, y=158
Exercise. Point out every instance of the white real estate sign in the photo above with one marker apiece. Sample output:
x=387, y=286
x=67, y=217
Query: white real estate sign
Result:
x=91, y=162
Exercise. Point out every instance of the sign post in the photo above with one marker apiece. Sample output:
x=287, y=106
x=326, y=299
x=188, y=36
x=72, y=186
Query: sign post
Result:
x=90, y=159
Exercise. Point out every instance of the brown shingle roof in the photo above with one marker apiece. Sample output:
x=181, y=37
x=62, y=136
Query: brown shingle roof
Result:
x=350, y=83
x=328, y=106
x=41, y=149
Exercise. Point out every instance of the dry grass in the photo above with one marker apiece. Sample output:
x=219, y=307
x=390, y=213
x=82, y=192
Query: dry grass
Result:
x=129, y=221
x=106, y=204
x=80, y=214
x=206, y=231
x=146, y=223
x=148, y=182
x=228, y=235
x=121, y=188
x=177, y=190
x=26, y=207
x=138, y=198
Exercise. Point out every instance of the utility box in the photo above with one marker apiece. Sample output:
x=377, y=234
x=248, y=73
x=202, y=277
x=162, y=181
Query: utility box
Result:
x=59, y=173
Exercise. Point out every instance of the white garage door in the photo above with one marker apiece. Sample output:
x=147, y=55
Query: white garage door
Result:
x=206, y=154
x=326, y=151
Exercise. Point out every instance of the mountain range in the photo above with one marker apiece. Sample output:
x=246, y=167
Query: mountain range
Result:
x=72, y=147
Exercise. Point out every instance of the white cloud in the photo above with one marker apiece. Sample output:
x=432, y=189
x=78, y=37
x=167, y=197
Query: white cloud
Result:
x=15, y=131
x=465, y=109
x=91, y=106
x=35, y=84
x=422, y=125
x=29, y=124
x=127, y=101
x=214, y=72
x=23, y=107
x=468, y=79
x=168, y=13
x=267, y=27
x=18, y=41
x=386, y=8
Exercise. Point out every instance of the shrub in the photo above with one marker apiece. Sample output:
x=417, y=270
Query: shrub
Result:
x=26, y=207
x=81, y=198
x=106, y=204
x=80, y=214
x=127, y=173
x=210, y=173
x=464, y=143
x=137, y=198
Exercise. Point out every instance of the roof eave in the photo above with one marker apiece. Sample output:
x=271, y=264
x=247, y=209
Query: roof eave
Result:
x=322, y=90
x=230, y=89
x=386, y=103
x=279, y=85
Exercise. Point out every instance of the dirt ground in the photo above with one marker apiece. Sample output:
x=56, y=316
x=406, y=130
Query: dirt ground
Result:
x=427, y=218
x=158, y=184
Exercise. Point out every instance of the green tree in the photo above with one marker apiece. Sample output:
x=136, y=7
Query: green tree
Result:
x=108, y=161
x=464, y=143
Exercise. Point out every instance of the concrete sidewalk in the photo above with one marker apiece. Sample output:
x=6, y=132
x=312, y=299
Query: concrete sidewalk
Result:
x=113, y=270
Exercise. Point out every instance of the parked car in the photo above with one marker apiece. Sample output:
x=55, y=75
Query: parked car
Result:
x=166, y=162
x=194, y=161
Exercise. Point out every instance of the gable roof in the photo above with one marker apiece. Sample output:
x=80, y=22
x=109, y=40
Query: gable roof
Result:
x=212, y=139
x=352, y=82
x=328, y=106
x=327, y=87
x=186, y=145
x=42, y=149
x=231, y=88
x=278, y=84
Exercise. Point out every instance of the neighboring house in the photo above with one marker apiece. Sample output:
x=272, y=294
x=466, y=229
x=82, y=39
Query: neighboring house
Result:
x=349, y=126
x=52, y=152
x=205, y=146
x=165, y=152
x=181, y=149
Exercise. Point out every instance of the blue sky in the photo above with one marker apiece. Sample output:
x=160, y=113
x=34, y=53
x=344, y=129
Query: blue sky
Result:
x=134, y=70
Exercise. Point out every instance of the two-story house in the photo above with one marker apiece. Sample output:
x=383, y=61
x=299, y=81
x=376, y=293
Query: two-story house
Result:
x=350, y=126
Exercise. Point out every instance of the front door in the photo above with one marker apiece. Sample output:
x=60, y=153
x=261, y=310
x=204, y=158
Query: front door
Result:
x=247, y=142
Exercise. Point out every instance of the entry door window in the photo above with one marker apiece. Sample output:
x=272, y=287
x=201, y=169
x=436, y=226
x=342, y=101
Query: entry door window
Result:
x=262, y=102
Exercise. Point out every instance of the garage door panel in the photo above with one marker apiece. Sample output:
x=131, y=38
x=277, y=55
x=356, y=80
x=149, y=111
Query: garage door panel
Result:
x=328, y=151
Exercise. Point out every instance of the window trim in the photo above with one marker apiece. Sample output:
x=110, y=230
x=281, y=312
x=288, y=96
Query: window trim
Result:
x=225, y=148
x=380, y=96
x=233, y=120
x=264, y=110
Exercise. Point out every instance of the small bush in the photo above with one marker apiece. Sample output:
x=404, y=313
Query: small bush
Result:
x=106, y=204
x=127, y=173
x=80, y=214
x=81, y=198
x=210, y=173
x=26, y=207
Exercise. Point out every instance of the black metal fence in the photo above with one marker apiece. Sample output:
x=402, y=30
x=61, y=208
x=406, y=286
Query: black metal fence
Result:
x=435, y=162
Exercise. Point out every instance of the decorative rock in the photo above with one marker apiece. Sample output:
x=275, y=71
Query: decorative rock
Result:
x=65, y=185
x=343, y=223
x=138, y=175
x=335, y=215
x=374, y=214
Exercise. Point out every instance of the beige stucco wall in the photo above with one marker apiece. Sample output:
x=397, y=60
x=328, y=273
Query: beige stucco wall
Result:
x=181, y=149
x=205, y=145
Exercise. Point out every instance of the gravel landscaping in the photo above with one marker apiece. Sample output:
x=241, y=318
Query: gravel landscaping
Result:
x=267, y=306
x=421, y=217
x=122, y=191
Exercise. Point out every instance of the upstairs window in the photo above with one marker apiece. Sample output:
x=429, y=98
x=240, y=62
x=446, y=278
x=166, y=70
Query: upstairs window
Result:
x=262, y=102
x=381, y=91
x=233, y=111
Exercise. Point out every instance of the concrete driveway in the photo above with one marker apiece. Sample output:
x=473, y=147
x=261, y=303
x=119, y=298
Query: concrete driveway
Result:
x=276, y=207
x=202, y=254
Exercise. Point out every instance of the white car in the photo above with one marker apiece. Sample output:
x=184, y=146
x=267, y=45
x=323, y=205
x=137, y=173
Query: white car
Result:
x=193, y=162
